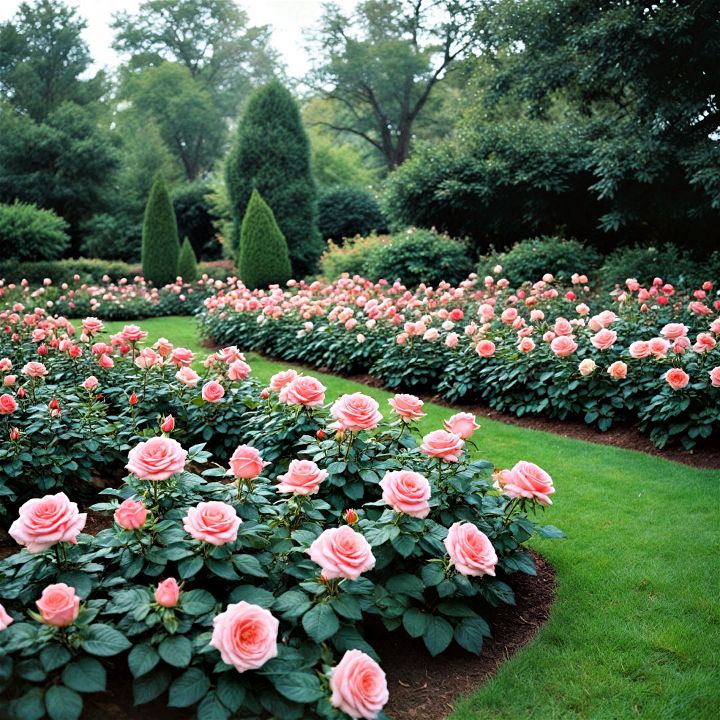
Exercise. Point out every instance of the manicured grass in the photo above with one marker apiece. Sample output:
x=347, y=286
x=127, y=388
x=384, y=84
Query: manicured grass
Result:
x=635, y=630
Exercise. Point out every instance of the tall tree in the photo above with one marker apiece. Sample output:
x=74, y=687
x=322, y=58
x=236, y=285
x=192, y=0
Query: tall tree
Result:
x=160, y=244
x=42, y=59
x=380, y=65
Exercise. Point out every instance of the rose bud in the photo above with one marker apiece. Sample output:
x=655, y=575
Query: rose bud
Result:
x=54, y=404
x=320, y=434
x=264, y=393
x=351, y=517
x=167, y=593
x=58, y=605
x=14, y=434
x=21, y=392
x=131, y=514
x=133, y=399
x=42, y=350
x=168, y=424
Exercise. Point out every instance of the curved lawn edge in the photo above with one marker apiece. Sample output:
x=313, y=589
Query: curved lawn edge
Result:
x=635, y=625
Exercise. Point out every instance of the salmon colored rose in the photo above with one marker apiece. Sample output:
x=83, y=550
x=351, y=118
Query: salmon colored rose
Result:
x=156, y=459
x=303, y=478
x=527, y=480
x=406, y=492
x=408, y=407
x=355, y=412
x=715, y=377
x=212, y=522
x=485, y=348
x=245, y=635
x=246, y=462
x=213, y=391
x=167, y=593
x=358, y=685
x=238, y=370
x=92, y=326
x=342, y=553
x=563, y=345
x=303, y=390
x=587, y=367
x=444, y=445
x=187, y=376
x=639, y=349
x=182, y=357
x=58, y=605
x=5, y=619
x=46, y=521
x=34, y=370
x=470, y=550
x=130, y=514
x=132, y=333
x=677, y=378
x=618, y=370
x=672, y=331
x=279, y=380
x=659, y=347
x=462, y=424
x=604, y=339
x=8, y=404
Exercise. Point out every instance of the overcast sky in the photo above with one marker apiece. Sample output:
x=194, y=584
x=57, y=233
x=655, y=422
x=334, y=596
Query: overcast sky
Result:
x=288, y=18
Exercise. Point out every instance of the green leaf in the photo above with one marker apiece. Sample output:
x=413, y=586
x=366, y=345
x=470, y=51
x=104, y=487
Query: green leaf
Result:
x=176, y=651
x=550, y=531
x=63, y=703
x=151, y=686
x=86, y=674
x=347, y=606
x=104, y=641
x=54, y=656
x=406, y=584
x=299, y=687
x=249, y=565
x=432, y=574
x=231, y=690
x=437, y=635
x=211, y=708
x=292, y=603
x=252, y=595
x=404, y=544
x=188, y=688
x=190, y=566
x=415, y=622
x=142, y=659
x=469, y=634
x=320, y=622
x=30, y=706
x=196, y=602
x=222, y=568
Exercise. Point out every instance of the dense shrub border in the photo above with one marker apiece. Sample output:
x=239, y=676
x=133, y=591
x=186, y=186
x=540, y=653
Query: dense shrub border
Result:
x=647, y=355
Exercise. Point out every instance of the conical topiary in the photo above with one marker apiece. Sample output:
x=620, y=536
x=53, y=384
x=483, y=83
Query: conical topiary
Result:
x=263, y=257
x=187, y=267
x=160, y=245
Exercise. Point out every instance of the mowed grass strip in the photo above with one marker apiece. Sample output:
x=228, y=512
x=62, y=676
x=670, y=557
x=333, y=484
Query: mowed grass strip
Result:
x=635, y=630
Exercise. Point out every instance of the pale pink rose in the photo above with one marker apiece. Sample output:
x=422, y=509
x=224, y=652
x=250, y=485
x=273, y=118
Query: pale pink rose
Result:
x=213, y=391
x=106, y=361
x=527, y=480
x=526, y=345
x=358, y=685
x=279, y=380
x=587, y=367
x=618, y=370
x=303, y=478
x=563, y=345
x=245, y=635
x=34, y=370
x=485, y=348
x=10, y=380
x=167, y=593
x=677, y=378
x=130, y=514
x=238, y=370
x=470, y=550
x=563, y=327
x=703, y=343
x=355, y=412
x=715, y=377
x=156, y=459
x=408, y=407
x=462, y=424
x=90, y=383
x=182, y=357
x=659, y=347
x=639, y=349
x=451, y=339
x=212, y=522
x=58, y=605
x=406, y=492
x=132, y=334
x=444, y=445
x=44, y=522
x=188, y=377
x=672, y=331
x=303, y=390
x=5, y=364
x=5, y=619
x=92, y=325
x=246, y=462
x=604, y=339
x=509, y=315
x=147, y=358
x=342, y=553
x=230, y=354
x=8, y=404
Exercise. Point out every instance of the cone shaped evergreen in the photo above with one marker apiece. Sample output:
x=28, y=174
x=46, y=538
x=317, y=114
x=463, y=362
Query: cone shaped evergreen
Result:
x=160, y=245
x=272, y=154
x=263, y=258
x=187, y=267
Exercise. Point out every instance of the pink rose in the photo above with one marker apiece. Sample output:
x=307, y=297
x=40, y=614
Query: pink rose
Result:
x=212, y=522
x=132, y=333
x=303, y=477
x=342, y=553
x=563, y=327
x=355, y=412
x=563, y=345
x=35, y=370
x=156, y=459
x=526, y=345
x=45, y=521
x=213, y=391
x=106, y=362
x=527, y=480
x=167, y=593
x=677, y=378
x=90, y=383
x=715, y=376
x=182, y=357
x=639, y=349
x=444, y=445
x=8, y=404
x=9, y=380
x=470, y=550
x=245, y=635
x=188, y=377
x=5, y=619
x=92, y=326
x=462, y=424
x=672, y=331
x=604, y=339
x=587, y=367
x=238, y=370
x=303, y=390
x=246, y=462
x=358, y=685
x=130, y=514
x=406, y=492
x=279, y=380
x=659, y=347
x=58, y=605
x=485, y=348
x=618, y=370
x=408, y=407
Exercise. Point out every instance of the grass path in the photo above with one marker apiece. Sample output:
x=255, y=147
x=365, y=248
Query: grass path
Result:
x=635, y=631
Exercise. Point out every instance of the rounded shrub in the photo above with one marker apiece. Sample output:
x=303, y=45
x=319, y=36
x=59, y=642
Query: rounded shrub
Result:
x=349, y=257
x=160, y=245
x=263, y=258
x=187, y=267
x=29, y=233
x=345, y=211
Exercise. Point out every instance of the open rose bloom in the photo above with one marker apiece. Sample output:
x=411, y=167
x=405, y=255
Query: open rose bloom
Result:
x=44, y=522
x=358, y=686
x=156, y=459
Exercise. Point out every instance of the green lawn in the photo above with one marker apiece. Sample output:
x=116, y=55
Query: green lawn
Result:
x=635, y=630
